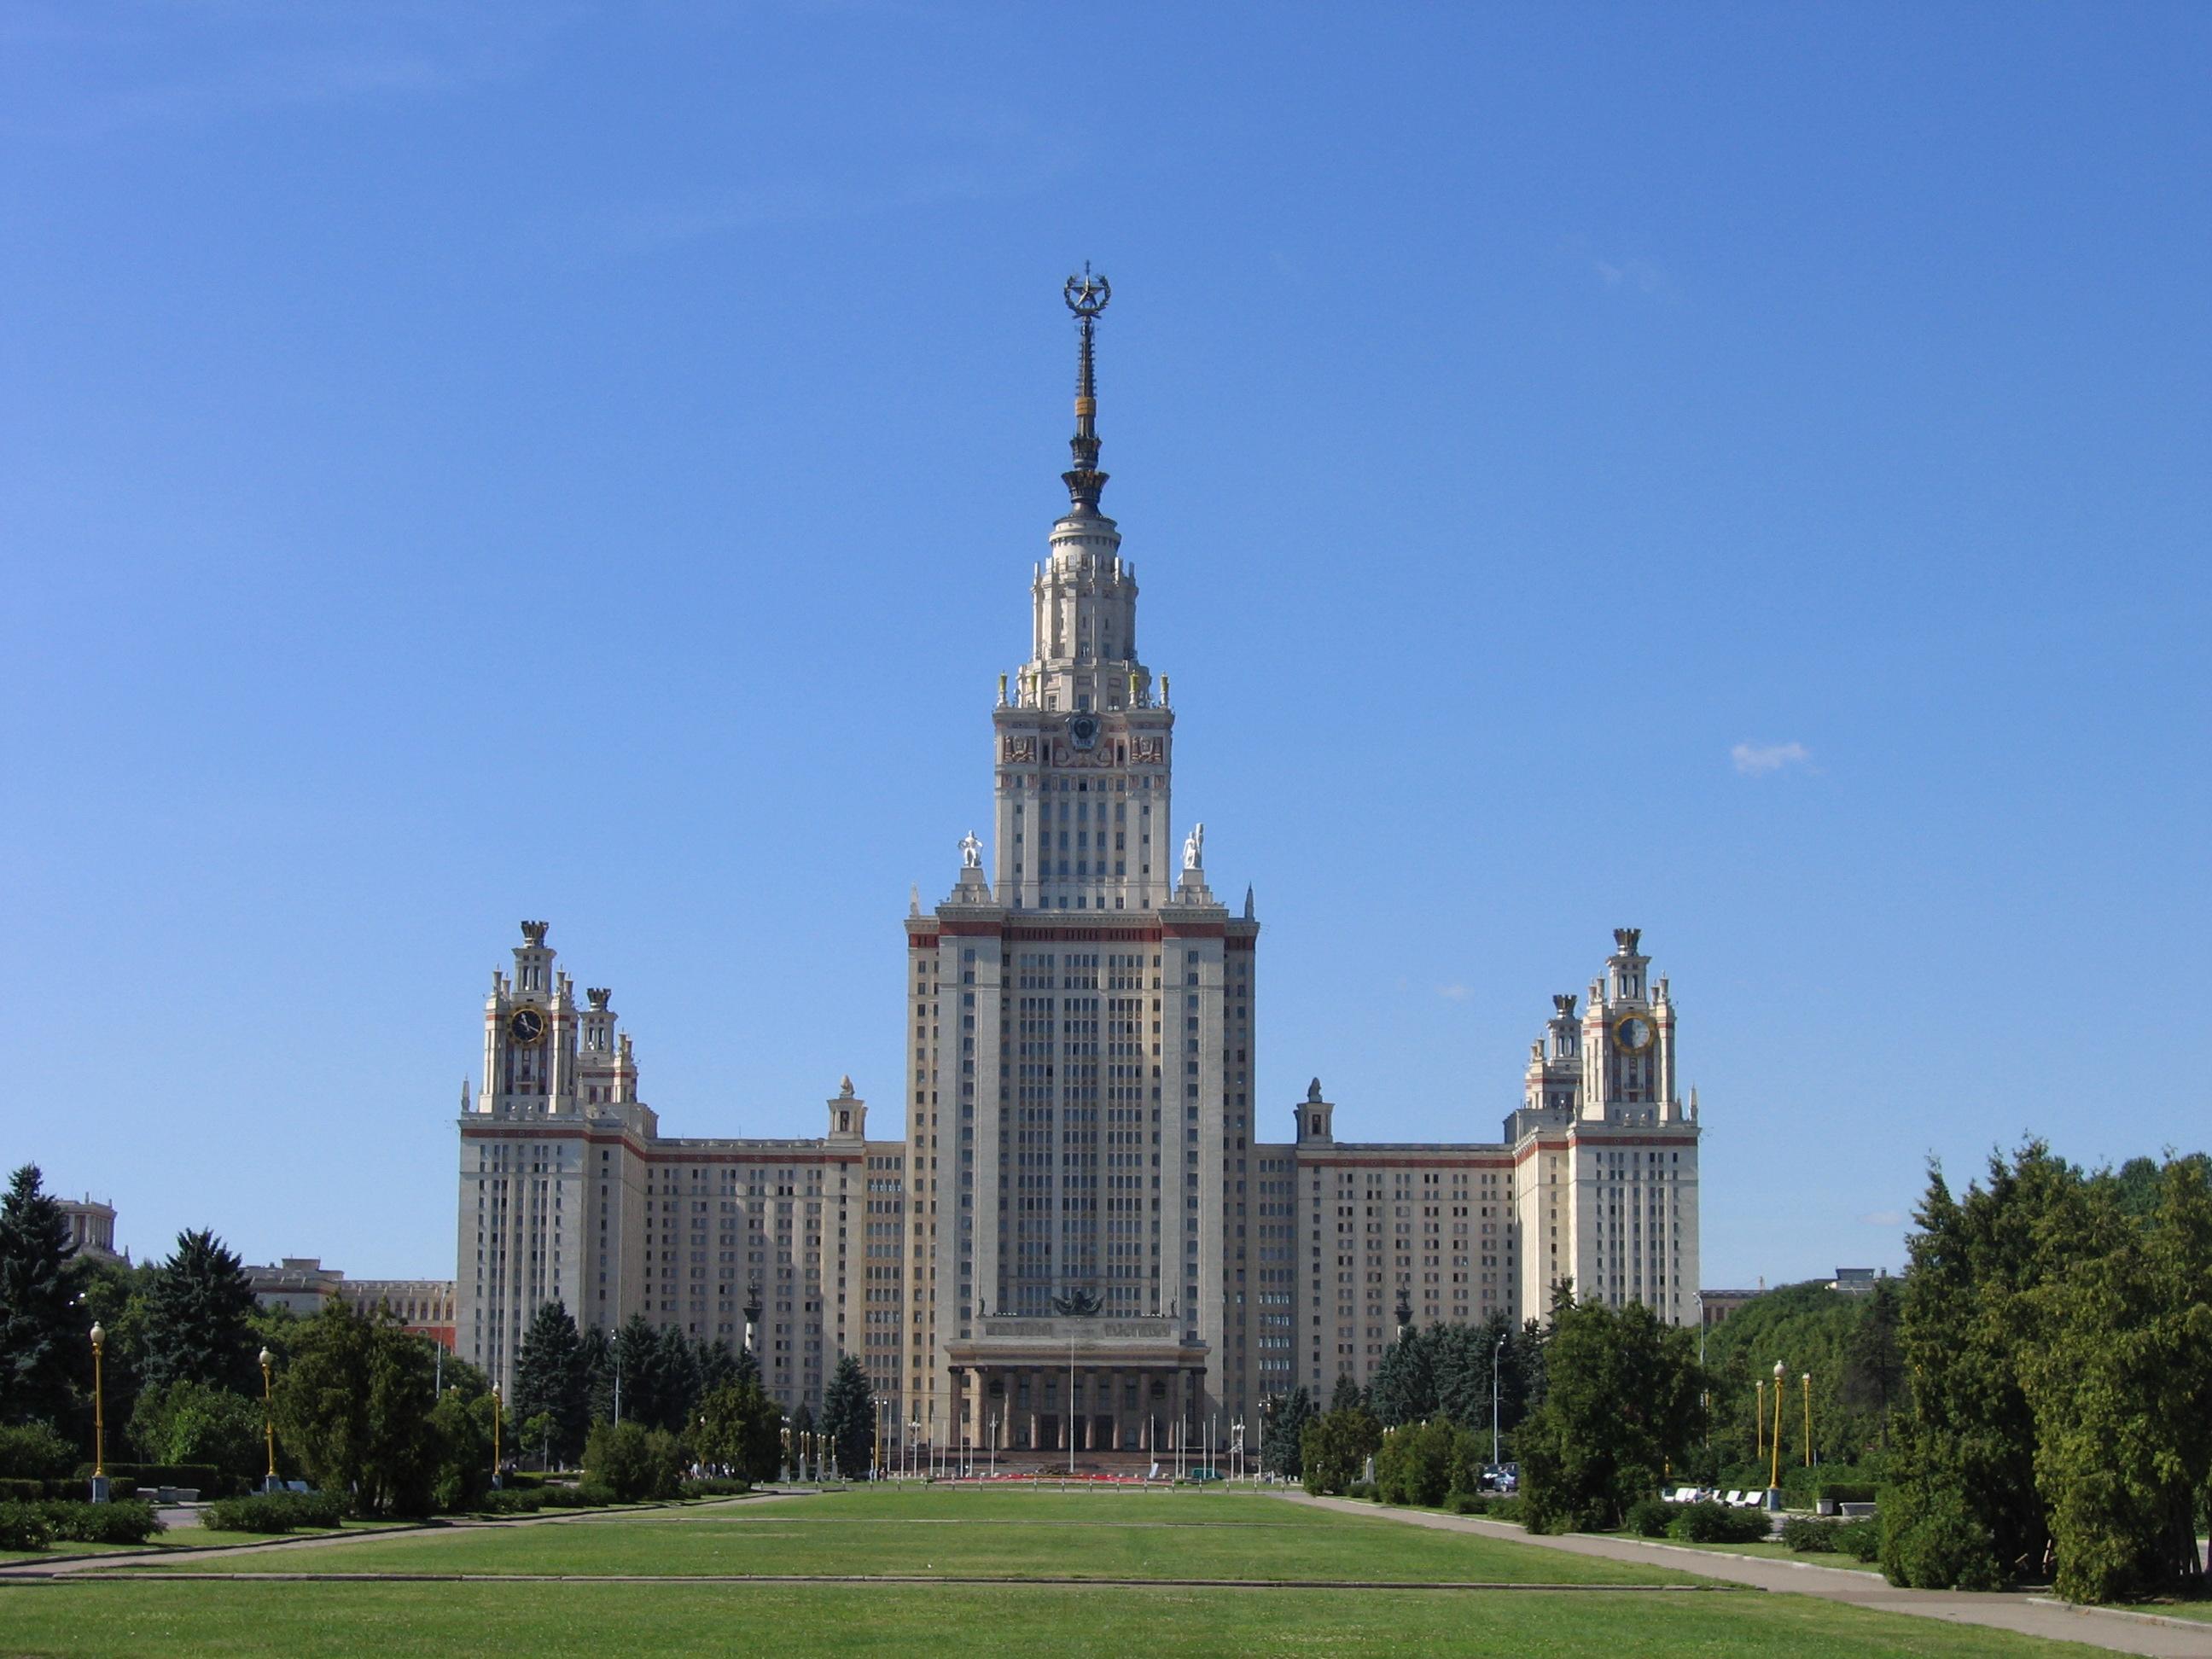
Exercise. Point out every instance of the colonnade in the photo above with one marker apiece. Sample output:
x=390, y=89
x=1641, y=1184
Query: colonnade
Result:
x=1032, y=1411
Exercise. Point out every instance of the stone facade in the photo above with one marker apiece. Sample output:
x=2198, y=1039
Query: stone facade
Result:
x=1080, y=1238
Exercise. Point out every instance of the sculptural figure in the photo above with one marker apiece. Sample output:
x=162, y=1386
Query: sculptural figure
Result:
x=971, y=852
x=1193, y=848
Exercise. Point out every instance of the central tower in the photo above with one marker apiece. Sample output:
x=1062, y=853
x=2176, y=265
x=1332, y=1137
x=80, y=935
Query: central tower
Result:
x=1083, y=1024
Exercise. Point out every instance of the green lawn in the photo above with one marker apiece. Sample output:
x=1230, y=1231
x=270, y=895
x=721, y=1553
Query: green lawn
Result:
x=1086, y=1535
x=1143, y=1537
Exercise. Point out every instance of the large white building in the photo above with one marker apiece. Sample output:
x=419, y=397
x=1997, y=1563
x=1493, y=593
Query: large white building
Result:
x=1076, y=1231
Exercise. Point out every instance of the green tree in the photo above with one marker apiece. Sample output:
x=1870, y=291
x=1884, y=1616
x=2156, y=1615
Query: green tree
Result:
x=741, y=1430
x=1961, y=1509
x=199, y=1311
x=848, y=1417
x=1874, y=1379
x=1334, y=1447
x=354, y=1407
x=635, y=1462
x=1286, y=1422
x=1622, y=1400
x=461, y=1431
x=1348, y=1395
x=595, y=1363
x=1416, y=1462
x=43, y=1346
x=2115, y=1372
x=550, y=1380
x=192, y=1423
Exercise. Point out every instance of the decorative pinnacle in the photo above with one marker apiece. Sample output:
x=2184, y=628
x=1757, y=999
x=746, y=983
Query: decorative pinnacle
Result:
x=1086, y=296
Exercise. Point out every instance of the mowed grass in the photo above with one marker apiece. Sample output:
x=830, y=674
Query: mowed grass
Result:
x=1144, y=1538
x=178, y=1616
x=1139, y=1536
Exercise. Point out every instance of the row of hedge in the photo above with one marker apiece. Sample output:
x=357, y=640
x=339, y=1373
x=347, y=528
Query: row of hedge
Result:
x=33, y=1525
x=275, y=1512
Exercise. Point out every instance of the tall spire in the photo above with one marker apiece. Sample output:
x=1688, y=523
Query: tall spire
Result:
x=1086, y=296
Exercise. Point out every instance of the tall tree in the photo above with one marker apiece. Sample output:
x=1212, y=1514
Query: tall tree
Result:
x=633, y=1394
x=550, y=1380
x=43, y=1346
x=199, y=1315
x=354, y=1407
x=1622, y=1400
x=595, y=1361
x=741, y=1430
x=1348, y=1395
x=1286, y=1422
x=848, y=1417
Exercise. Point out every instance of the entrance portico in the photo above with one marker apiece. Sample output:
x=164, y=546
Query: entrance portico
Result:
x=1073, y=1385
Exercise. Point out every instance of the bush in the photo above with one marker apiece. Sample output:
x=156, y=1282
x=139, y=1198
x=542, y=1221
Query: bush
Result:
x=1508, y=1508
x=1648, y=1517
x=35, y=1452
x=24, y=1490
x=1366, y=1489
x=1931, y=1540
x=203, y=1478
x=585, y=1497
x=511, y=1501
x=1467, y=1502
x=1414, y=1465
x=24, y=1527
x=275, y=1511
x=717, y=1486
x=636, y=1463
x=125, y=1520
x=1716, y=1523
x=1860, y=1539
x=1810, y=1537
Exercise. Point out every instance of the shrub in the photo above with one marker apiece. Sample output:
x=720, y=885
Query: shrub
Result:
x=125, y=1520
x=1811, y=1537
x=1508, y=1508
x=34, y=1452
x=1931, y=1540
x=511, y=1501
x=1414, y=1464
x=634, y=1462
x=1648, y=1517
x=24, y=1490
x=24, y=1527
x=277, y=1511
x=1366, y=1489
x=203, y=1478
x=1860, y=1539
x=717, y=1486
x=1467, y=1502
x=585, y=1497
x=1716, y=1523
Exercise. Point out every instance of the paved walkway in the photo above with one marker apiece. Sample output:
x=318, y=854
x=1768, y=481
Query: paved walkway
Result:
x=2028, y=1615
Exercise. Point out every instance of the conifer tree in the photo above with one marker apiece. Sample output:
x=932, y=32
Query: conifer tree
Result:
x=42, y=1349
x=199, y=1320
x=549, y=1379
x=848, y=1419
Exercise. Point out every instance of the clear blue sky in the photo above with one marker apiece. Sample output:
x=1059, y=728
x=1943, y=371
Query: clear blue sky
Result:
x=1735, y=471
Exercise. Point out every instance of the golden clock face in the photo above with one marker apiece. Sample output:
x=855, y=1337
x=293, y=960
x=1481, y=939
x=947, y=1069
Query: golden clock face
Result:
x=526, y=1025
x=1633, y=1033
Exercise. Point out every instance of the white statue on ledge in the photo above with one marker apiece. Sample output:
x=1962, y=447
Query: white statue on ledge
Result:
x=971, y=852
x=1193, y=849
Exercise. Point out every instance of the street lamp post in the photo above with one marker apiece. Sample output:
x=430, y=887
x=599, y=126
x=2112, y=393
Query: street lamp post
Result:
x=1807, y=1380
x=1774, y=1468
x=99, y=1418
x=268, y=1423
x=1497, y=1355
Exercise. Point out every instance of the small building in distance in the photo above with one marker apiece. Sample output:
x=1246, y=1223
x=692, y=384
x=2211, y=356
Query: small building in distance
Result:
x=1715, y=1306
x=92, y=1228
x=301, y=1286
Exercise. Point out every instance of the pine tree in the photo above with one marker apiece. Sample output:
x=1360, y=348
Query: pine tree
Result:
x=848, y=1419
x=549, y=1377
x=1348, y=1395
x=200, y=1312
x=42, y=1349
x=1286, y=1423
x=595, y=1363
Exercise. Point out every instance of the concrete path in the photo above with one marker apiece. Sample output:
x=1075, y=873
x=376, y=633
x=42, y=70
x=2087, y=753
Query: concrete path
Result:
x=2028, y=1615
